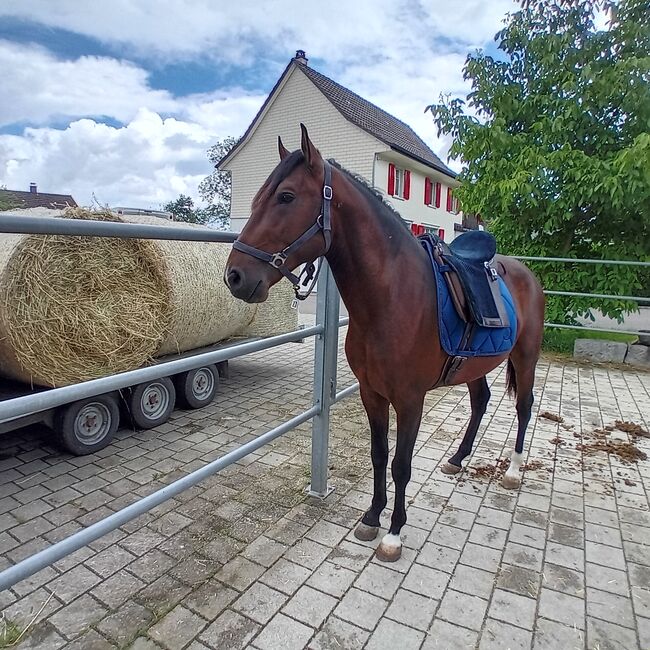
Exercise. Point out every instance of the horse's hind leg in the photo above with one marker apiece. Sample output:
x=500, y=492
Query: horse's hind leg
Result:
x=409, y=416
x=521, y=377
x=377, y=410
x=479, y=396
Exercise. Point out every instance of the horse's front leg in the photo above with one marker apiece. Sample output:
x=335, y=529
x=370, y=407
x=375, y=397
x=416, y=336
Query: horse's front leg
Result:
x=377, y=410
x=409, y=416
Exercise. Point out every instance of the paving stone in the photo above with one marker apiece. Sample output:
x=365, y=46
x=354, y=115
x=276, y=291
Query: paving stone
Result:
x=339, y=634
x=230, y=630
x=177, y=628
x=440, y=557
x=412, y=609
x=605, y=555
x=562, y=608
x=264, y=551
x=450, y=637
x=117, y=589
x=283, y=633
x=607, y=636
x=91, y=640
x=513, y=608
x=390, y=635
x=260, y=603
x=126, y=623
x=239, y=573
x=563, y=579
x=607, y=579
x=498, y=635
x=481, y=557
x=73, y=619
x=330, y=578
x=210, y=599
x=307, y=553
x=462, y=609
x=550, y=635
x=472, y=581
x=162, y=594
x=524, y=556
x=310, y=606
x=73, y=583
x=423, y=580
x=109, y=561
x=610, y=607
x=351, y=556
x=519, y=579
x=285, y=576
x=360, y=608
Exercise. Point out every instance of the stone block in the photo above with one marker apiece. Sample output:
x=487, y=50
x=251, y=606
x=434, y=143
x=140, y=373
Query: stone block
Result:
x=599, y=350
x=638, y=355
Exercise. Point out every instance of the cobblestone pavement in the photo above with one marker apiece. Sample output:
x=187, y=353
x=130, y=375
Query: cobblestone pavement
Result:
x=246, y=560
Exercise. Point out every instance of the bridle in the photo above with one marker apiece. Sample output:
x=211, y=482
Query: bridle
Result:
x=279, y=260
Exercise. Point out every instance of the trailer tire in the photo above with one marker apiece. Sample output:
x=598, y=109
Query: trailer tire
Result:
x=151, y=403
x=88, y=425
x=196, y=388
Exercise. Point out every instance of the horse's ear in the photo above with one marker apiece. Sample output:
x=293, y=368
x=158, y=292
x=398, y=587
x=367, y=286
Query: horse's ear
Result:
x=312, y=155
x=284, y=152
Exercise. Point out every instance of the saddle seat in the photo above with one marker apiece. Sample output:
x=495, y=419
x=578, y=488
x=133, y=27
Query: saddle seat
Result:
x=466, y=265
x=474, y=246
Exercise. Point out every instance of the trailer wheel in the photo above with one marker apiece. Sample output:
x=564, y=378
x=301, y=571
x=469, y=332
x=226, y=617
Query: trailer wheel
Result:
x=88, y=425
x=151, y=403
x=196, y=388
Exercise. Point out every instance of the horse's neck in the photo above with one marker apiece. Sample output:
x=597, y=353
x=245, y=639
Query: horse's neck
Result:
x=371, y=258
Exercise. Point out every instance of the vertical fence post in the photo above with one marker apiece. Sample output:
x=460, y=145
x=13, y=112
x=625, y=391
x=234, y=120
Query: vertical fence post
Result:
x=325, y=362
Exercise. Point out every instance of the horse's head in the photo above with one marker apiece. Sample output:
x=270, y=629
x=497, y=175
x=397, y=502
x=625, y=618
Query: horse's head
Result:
x=289, y=224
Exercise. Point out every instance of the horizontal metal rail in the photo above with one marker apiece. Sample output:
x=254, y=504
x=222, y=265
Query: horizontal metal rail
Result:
x=592, y=329
x=580, y=261
x=18, y=406
x=345, y=392
x=596, y=295
x=48, y=556
x=85, y=227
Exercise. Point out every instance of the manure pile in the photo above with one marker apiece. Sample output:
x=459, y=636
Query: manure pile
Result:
x=78, y=308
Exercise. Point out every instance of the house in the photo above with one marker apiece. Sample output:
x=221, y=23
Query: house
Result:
x=15, y=200
x=357, y=134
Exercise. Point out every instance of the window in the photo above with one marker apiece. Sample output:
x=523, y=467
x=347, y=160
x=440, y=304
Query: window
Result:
x=453, y=205
x=432, y=191
x=399, y=182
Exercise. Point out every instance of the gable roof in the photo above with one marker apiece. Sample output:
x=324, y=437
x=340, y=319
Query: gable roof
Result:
x=360, y=112
x=19, y=200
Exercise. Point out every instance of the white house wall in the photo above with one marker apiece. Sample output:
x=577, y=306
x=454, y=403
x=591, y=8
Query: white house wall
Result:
x=414, y=209
x=298, y=101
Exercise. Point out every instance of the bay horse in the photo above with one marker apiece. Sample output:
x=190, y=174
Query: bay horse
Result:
x=309, y=207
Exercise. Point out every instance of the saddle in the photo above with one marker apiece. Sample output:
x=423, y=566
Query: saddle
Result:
x=467, y=267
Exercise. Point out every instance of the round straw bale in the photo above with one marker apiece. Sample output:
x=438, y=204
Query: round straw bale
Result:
x=78, y=308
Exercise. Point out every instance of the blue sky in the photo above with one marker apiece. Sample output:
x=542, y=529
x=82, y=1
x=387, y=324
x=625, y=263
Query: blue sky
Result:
x=119, y=101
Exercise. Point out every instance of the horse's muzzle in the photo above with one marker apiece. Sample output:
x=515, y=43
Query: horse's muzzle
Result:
x=246, y=289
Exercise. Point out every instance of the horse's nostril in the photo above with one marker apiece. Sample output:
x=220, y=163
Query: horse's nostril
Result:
x=234, y=278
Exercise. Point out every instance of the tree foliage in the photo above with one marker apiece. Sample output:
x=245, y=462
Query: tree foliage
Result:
x=215, y=190
x=555, y=141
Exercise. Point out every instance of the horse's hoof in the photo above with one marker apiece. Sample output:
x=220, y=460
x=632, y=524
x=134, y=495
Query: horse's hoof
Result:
x=387, y=553
x=390, y=549
x=366, y=533
x=450, y=469
x=510, y=482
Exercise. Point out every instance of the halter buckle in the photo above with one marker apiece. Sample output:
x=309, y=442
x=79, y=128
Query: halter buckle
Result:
x=278, y=260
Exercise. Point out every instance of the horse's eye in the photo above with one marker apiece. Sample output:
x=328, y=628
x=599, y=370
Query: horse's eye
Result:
x=285, y=197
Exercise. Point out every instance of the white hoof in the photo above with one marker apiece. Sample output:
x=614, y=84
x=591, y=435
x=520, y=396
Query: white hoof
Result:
x=390, y=549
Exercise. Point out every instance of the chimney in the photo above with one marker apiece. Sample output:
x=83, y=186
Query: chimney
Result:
x=32, y=188
x=301, y=57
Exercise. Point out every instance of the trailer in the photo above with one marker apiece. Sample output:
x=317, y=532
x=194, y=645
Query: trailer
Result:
x=87, y=425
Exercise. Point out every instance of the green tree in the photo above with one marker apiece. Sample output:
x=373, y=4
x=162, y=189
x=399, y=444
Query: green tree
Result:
x=555, y=145
x=216, y=188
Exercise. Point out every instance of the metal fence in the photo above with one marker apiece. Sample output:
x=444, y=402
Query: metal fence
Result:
x=325, y=378
x=325, y=384
x=596, y=296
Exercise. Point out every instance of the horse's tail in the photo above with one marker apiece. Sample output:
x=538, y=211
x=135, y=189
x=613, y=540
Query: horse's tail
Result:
x=511, y=380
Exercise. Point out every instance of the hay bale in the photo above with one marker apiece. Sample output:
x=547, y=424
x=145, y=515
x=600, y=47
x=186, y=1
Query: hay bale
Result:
x=78, y=308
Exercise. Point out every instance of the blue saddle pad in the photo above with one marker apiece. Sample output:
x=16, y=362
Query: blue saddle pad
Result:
x=462, y=339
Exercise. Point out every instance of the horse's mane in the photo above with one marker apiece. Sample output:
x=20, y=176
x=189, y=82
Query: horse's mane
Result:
x=372, y=193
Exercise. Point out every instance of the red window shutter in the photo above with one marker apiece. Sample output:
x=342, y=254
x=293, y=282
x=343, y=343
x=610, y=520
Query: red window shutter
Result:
x=449, y=199
x=427, y=191
x=438, y=190
x=391, y=179
x=407, y=184
x=441, y=233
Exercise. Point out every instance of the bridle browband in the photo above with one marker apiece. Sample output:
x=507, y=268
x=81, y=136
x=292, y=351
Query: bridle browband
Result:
x=278, y=260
